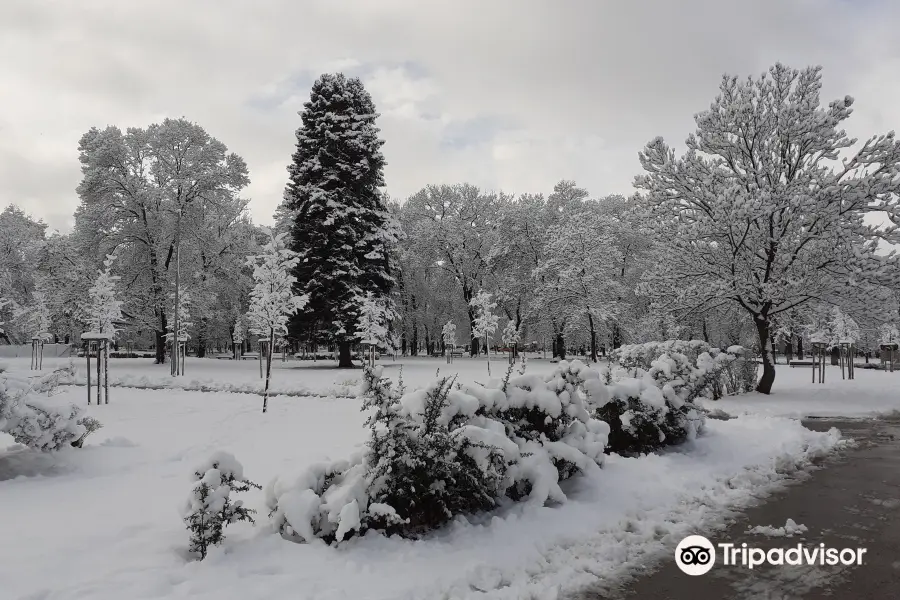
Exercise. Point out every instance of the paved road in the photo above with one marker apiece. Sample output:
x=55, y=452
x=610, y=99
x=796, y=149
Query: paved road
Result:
x=854, y=501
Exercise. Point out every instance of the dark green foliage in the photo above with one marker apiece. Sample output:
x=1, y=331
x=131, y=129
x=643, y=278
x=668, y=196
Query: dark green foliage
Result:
x=649, y=429
x=423, y=468
x=210, y=508
x=340, y=225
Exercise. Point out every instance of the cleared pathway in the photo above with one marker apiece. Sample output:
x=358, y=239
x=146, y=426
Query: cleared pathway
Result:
x=853, y=501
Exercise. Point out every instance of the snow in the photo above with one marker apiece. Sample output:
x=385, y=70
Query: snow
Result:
x=789, y=529
x=872, y=393
x=105, y=519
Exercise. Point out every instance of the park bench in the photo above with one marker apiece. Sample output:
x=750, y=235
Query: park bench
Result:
x=801, y=363
x=455, y=353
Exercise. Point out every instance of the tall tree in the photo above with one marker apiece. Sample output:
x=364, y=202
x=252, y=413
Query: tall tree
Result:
x=453, y=228
x=577, y=280
x=341, y=228
x=760, y=213
x=21, y=239
x=137, y=190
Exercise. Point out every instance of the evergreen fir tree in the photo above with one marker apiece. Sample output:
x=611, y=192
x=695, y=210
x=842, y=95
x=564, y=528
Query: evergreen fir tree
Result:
x=341, y=227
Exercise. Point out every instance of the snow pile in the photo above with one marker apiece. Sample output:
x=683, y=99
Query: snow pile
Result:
x=36, y=423
x=210, y=508
x=445, y=450
x=790, y=529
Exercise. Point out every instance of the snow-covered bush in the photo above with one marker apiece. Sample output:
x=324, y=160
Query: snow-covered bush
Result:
x=548, y=418
x=641, y=356
x=739, y=376
x=446, y=450
x=641, y=419
x=210, y=508
x=38, y=424
x=657, y=407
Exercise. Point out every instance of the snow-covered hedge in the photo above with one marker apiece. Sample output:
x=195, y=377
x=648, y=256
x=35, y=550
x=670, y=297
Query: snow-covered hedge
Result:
x=36, y=423
x=445, y=450
x=739, y=376
x=641, y=356
x=656, y=408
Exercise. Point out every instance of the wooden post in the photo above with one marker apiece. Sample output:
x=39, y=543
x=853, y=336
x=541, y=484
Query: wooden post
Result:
x=106, y=371
x=87, y=353
x=841, y=359
x=98, y=372
x=262, y=345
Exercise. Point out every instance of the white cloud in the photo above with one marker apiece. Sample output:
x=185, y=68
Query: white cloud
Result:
x=507, y=94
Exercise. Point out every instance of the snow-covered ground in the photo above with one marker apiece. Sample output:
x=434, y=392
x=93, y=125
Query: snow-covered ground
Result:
x=293, y=377
x=104, y=522
x=871, y=393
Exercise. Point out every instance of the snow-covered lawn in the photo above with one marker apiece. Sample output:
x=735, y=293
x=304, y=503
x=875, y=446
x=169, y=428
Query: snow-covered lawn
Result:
x=104, y=522
x=294, y=377
x=871, y=393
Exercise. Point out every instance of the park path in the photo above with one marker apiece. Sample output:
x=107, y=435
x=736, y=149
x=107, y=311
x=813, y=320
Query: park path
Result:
x=853, y=501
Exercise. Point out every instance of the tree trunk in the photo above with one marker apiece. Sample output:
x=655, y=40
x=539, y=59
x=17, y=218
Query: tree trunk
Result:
x=764, y=386
x=560, y=346
x=616, y=336
x=414, y=343
x=799, y=348
x=345, y=357
x=161, y=340
x=201, y=339
x=593, y=338
x=835, y=356
x=269, y=368
x=789, y=347
x=705, y=331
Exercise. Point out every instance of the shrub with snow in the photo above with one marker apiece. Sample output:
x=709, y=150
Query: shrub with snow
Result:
x=36, y=423
x=210, y=508
x=446, y=450
x=657, y=407
x=642, y=420
x=641, y=356
x=739, y=376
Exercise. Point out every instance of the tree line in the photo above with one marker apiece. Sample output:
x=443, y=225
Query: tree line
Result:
x=763, y=225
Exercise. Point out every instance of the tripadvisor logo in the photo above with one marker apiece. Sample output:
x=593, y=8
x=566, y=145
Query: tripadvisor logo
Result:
x=696, y=555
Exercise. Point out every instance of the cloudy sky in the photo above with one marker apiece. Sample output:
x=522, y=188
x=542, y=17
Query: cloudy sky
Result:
x=510, y=95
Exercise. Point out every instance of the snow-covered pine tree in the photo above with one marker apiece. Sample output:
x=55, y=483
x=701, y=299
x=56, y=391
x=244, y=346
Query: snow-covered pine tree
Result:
x=272, y=300
x=210, y=508
x=485, y=322
x=104, y=308
x=759, y=211
x=341, y=229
